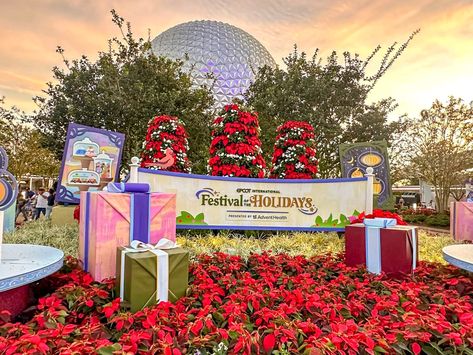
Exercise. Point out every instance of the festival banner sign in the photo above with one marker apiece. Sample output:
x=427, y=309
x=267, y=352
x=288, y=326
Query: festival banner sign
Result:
x=355, y=158
x=91, y=160
x=212, y=202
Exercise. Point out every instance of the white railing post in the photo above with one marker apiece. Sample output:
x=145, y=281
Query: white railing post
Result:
x=134, y=169
x=369, y=190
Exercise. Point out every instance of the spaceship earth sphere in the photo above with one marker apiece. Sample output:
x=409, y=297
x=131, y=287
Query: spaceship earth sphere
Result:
x=230, y=54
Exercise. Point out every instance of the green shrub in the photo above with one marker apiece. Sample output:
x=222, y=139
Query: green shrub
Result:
x=409, y=218
x=420, y=218
x=439, y=220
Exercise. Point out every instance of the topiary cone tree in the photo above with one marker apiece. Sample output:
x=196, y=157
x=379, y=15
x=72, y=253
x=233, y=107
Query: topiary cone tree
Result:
x=235, y=149
x=166, y=146
x=294, y=152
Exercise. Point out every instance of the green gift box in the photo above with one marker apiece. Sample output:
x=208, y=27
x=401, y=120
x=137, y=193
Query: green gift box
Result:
x=141, y=275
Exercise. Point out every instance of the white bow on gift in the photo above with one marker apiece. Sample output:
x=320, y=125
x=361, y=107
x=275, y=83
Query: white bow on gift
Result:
x=162, y=265
x=373, y=243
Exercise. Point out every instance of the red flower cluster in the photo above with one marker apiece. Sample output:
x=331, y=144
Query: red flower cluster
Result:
x=76, y=213
x=166, y=145
x=294, y=152
x=235, y=149
x=419, y=211
x=379, y=214
x=265, y=304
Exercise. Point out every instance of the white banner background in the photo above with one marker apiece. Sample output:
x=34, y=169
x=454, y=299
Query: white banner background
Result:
x=237, y=203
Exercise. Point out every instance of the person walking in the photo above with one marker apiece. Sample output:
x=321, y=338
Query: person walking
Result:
x=401, y=203
x=31, y=203
x=29, y=194
x=41, y=202
x=49, y=207
x=20, y=207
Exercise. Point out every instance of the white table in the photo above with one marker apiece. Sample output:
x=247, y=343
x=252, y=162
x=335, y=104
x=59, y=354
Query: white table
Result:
x=22, y=264
x=459, y=255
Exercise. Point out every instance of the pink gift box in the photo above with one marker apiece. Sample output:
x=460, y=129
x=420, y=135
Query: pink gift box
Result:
x=106, y=222
x=461, y=220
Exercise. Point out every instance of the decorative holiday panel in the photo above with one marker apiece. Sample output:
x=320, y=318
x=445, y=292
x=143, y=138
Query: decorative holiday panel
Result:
x=355, y=158
x=90, y=161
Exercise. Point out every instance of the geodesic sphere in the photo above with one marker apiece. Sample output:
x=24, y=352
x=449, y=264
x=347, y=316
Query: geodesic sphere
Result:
x=232, y=55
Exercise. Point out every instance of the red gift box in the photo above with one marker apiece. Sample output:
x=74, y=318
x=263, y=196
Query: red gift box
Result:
x=397, y=248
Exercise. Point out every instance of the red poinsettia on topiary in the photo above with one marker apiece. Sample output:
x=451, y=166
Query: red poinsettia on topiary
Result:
x=294, y=152
x=166, y=145
x=235, y=149
x=378, y=214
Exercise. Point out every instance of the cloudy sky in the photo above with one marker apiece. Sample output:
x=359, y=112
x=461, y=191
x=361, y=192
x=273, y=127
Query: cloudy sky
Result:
x=437, y=64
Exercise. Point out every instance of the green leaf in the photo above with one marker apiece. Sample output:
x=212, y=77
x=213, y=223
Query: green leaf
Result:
x=402, y=346
x=218, y=316
x=429, y=350
x=379, y=349
x=233, y=334
x=436, y=347
x=344, y=221
x=109, y=350
x=185, y=218
x=319, y=221
x=329, y=220
x=199, y=217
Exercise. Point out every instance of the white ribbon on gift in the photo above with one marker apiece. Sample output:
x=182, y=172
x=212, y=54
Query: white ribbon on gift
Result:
x=162, y=265
x=414, y=248
x=373, y=242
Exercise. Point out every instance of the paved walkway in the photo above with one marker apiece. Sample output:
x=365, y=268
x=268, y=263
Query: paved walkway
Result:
x=433, y=230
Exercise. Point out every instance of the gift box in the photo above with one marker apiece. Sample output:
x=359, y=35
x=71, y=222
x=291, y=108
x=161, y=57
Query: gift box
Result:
x=148, y=274
x=112, y=219
x=382, y=246
x=461, y=220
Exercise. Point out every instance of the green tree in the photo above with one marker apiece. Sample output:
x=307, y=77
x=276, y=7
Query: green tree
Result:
x=121, y=91
x=23, y=146
x=331, y=96
x=441, y=146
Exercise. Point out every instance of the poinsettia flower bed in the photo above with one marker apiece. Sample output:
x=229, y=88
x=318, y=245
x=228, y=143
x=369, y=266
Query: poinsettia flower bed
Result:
x=267, y=303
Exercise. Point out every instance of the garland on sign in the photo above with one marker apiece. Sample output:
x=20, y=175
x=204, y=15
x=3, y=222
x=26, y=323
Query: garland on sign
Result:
x=235, y=149
x=294, y=152
x=165, y=147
